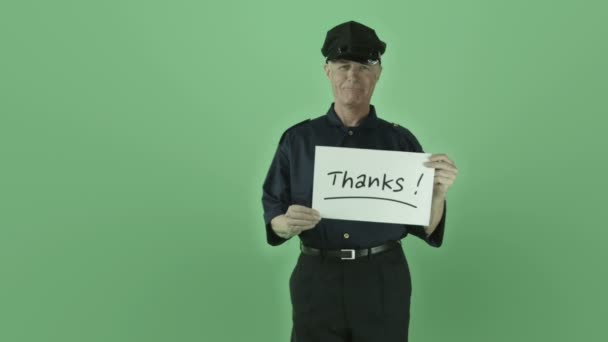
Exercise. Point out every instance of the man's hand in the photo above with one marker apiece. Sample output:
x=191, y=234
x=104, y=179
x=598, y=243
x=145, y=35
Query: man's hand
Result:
x=445, y=174
x=297, y=219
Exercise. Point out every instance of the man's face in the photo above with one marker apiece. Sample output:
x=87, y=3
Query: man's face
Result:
x=352, y=83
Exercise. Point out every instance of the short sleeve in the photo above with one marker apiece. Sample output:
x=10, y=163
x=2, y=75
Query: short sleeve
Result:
x=276, y=190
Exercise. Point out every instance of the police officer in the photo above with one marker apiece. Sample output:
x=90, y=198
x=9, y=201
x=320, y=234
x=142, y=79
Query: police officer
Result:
x=351, y=281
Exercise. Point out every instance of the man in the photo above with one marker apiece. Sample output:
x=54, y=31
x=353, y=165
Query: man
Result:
x=352, y=280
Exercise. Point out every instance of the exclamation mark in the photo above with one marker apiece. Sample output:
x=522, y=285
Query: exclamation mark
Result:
x=417, y=185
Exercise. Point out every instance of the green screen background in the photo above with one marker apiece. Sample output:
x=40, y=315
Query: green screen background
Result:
x=135, y=137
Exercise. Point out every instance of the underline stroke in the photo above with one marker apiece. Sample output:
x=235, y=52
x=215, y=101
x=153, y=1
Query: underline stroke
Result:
x=367, y=197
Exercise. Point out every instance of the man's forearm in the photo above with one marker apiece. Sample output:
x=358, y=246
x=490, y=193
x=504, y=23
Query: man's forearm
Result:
x=437, y=207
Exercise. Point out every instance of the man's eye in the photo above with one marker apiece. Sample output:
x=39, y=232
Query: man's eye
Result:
x=343, y=67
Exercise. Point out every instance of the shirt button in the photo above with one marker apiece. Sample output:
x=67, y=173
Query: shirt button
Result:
x=350, y=132
x=346, y=236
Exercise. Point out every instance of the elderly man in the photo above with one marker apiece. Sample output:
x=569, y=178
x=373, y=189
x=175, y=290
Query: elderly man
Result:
x=351, y=281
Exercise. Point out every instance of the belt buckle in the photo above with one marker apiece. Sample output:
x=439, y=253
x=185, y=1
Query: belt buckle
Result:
x=352, y=254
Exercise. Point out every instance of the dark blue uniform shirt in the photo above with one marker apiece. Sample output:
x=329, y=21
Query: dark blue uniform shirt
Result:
x=290, y=179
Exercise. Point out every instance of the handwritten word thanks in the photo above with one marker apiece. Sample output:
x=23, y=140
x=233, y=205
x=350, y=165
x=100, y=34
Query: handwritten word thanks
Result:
x=365, y=181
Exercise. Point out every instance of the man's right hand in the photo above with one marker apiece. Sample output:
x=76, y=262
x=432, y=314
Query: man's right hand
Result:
x=297, y=219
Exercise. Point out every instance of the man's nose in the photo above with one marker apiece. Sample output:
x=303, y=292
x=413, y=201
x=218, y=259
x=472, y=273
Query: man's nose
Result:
x=353, y=73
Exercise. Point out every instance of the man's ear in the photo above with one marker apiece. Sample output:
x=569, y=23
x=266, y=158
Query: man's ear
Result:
x=327, y=70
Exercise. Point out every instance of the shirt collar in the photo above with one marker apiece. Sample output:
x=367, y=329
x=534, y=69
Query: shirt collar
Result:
x=369, y=121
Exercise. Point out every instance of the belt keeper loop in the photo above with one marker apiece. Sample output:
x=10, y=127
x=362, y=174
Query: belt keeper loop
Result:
x=369, y=253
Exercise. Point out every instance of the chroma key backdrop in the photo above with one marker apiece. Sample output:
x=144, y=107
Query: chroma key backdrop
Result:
x=135, y=137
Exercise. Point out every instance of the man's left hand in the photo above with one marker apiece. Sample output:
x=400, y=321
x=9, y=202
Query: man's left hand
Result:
x=445, y=174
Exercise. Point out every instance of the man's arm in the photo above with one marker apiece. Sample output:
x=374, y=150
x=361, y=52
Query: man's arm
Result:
x=445, y=174
x=437, y=208
x=276, y=192
x=433, y=233
x=283, y=219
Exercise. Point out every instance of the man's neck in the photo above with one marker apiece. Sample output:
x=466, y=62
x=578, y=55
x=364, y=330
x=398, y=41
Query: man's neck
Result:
x=351, y=116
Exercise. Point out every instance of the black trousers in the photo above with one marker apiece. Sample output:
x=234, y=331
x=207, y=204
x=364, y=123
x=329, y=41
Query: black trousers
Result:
x=361, y=300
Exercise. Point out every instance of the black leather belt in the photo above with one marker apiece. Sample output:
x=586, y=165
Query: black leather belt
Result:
x=349, y=254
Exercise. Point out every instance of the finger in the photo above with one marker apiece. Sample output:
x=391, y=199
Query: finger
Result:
x=442, y=162
x=441, y=166
x=309, y=227
x=441, y=157
x=302, y=216
x=443, y=180
x=302, y=209
x=299, y=229
x=300, y=223
x=293, y=230
x=446, y=173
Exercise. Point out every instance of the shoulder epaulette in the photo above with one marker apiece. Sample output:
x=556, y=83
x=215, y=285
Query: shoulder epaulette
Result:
x=409, y=136
x=400, y=128
x=290, y=128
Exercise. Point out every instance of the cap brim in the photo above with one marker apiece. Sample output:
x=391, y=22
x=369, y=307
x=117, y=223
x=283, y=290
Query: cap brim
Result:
x=354, y=58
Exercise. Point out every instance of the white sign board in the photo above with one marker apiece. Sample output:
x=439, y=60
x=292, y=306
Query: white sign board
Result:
x=372, y=185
